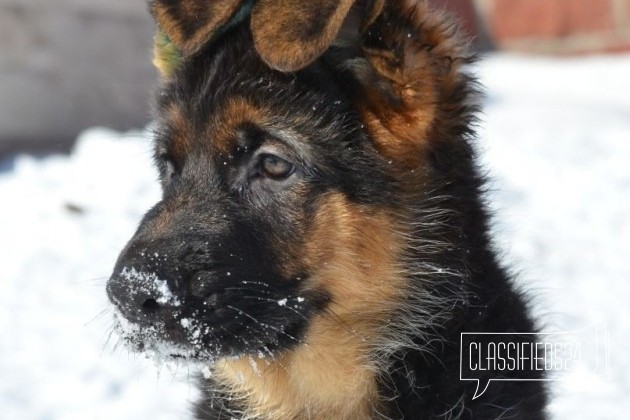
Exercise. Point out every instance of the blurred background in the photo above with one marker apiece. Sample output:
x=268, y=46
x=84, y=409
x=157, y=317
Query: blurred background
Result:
x=561, y=27
x=554, y=138
x=66, y=65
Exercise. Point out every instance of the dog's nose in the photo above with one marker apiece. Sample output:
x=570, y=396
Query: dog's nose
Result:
x=141, y=297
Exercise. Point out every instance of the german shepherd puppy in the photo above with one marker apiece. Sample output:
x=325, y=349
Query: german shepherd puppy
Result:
x=321, y=241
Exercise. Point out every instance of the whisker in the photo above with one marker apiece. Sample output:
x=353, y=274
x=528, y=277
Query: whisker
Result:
x=274, y=301
x=107, y=339
x=262, y=324
x=98, y=281
x=100, y=314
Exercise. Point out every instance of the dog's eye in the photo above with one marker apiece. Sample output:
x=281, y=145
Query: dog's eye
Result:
x=275, y=167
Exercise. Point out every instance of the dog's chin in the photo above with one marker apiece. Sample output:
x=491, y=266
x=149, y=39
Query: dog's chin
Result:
x=164, y=342
x=164, y=350
x=185, y=341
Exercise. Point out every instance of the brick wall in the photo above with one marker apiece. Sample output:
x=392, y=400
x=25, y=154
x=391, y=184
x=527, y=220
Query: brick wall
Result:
x=558, y=26
x=549, y=26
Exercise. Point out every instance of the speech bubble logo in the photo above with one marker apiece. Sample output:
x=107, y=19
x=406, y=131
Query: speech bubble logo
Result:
x=479, y=391
x=488, y=357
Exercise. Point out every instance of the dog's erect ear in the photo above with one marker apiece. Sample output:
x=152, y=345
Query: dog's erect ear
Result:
x=289, y=35
x=412, y=89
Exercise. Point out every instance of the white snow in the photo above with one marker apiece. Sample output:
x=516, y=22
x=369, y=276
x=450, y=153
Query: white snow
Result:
x=150, y=282
x=206, y=372
x=555, y=137
x=54, y=315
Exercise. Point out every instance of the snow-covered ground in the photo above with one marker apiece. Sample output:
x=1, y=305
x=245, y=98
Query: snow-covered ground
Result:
x=555, y=138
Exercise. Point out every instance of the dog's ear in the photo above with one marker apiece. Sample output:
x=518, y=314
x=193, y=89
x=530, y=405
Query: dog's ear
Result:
x=411, y=88
x=187, y=25
x=289, y=35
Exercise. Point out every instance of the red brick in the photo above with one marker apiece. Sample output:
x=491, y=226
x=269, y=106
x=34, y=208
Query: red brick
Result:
x=616, y=48
x=549, y=18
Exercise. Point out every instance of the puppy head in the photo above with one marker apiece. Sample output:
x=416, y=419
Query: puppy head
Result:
x=263, y=175
x=285, y=195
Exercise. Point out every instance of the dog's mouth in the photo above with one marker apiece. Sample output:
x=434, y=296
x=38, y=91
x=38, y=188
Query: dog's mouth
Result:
x=164, y=340
x=243, y=318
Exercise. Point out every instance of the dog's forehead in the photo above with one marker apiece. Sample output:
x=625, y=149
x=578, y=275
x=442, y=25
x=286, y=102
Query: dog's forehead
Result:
x=227, y=87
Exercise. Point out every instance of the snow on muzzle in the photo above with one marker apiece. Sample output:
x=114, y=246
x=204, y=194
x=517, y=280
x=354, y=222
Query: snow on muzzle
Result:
x=149, y=316
x=142, y=297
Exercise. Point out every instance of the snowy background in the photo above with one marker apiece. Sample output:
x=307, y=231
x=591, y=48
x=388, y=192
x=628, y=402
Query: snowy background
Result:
x=555, y=139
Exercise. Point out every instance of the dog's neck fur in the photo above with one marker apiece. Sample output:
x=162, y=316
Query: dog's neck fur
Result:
x=333, y=372
x=298, y=387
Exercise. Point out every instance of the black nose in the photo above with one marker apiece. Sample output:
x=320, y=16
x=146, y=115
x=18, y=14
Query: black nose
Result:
x=141, y=296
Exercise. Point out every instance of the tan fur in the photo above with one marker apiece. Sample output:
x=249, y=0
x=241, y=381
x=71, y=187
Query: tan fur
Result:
x=352, y=251
x=180, y=133
x=401, y=118
x=288, y=35
x=229, y=117
x=224, y=123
